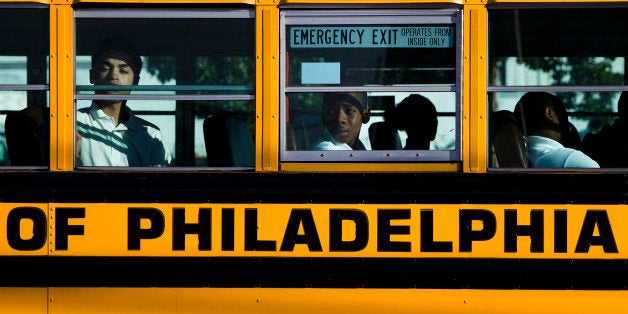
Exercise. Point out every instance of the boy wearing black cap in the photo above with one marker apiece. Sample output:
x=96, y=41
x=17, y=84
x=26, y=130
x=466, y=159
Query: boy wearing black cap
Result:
x=343, y=115
x=108, y=132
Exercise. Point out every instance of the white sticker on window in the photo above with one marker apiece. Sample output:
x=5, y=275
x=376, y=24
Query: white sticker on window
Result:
x=320, y=73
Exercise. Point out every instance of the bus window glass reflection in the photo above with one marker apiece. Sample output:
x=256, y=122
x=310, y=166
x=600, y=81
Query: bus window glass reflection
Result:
x=24, y=106
x=387, y=61
x=188, y=81
x=542, y=51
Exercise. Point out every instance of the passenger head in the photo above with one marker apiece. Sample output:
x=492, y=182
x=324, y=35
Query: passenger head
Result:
x=418, y=117
x=540, y=112
x=570, y=135
x=343, y=114
x=116, y=61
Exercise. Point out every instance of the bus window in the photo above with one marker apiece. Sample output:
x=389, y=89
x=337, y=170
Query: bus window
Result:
x=24, y=113
x=560, y=52
x=345, y=74
x=196, y=65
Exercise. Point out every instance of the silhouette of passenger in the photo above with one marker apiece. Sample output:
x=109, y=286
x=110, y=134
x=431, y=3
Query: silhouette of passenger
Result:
x=540, y=121
x=571, y=137
x=418, y=117
x=28, y=136
x=610, y=146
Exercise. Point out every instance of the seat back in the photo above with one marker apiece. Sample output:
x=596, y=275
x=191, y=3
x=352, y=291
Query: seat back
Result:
x=306, y=126
x=508, y=140
x=291, y=138
x=384, y=136
x=228, y=142
x=27, y=135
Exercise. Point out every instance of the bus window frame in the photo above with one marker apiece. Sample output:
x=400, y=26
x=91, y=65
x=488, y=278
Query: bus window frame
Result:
x=181, y=92
x=452, y=16
x=493, y=89
x=37, y=87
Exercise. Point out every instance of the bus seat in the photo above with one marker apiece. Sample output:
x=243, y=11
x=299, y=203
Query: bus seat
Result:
x=291, y=139
x=508, y=142
x=384, y=136
x=228, y=142
x=27, y=136
x=307, y=128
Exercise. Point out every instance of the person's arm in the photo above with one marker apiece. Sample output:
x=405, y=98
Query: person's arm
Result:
x=579, y=160
x=77, y=151
x=159, y=153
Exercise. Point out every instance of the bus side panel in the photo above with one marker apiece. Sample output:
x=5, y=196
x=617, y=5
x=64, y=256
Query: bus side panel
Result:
x=307, y=300
x=24, y=300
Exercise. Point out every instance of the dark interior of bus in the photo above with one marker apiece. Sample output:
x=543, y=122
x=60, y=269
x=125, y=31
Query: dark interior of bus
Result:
x=581, y=32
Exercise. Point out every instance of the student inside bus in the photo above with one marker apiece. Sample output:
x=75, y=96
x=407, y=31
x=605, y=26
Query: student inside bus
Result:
x=418, y=117
x=571, y=136
x=343, y=115
x=538, y=116
x=28, y=136
x=609, y=147
x=108, y=132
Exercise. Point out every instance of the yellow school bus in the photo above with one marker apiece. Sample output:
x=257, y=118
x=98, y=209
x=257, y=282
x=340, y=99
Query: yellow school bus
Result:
x=267, y=199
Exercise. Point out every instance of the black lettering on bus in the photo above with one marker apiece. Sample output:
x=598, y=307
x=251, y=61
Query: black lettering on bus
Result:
x=203, y=229
x=560, y=231
x=385, y=230
x=38, y=217
x=359, y=219
x=605, y=238
x=228, y=229
x=427, y=234
x=301, y=217
x=62, y=227
x=251, y=243
x=512, y=230
x=136, y=233
x=468, y=235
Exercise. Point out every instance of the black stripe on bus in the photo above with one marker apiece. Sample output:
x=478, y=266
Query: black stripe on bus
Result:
x=554, y=274
x=345, y=188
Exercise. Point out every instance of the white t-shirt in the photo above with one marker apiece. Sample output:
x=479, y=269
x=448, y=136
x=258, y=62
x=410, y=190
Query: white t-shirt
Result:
x=327, y=142
x=135, y=143
x=544, y=152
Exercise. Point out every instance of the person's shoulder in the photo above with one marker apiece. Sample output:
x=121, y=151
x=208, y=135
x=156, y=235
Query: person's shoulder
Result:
x=137, y=122
x=322, y=145
x=578, y=159
x=536, y=138
x=88, y=110
x=144, y=129
x=328, y=145
x=83, y=114
x=542, y=141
